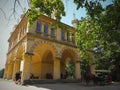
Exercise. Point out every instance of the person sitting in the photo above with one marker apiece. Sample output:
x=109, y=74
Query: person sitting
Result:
x=49, y=76
x=17, y=77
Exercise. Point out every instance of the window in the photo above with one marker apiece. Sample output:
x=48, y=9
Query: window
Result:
x=68, y=36
x=38, y=27
x=62, y=34
x=45, y=29
x=52, y=33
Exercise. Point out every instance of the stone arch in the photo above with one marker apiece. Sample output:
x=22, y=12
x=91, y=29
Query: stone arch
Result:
x=68, y=55
x=43, y=42
x=47, y=64
x=72, y=51
x=43, y=47
x=42, y=60
x=46, y=53
x=18, y=61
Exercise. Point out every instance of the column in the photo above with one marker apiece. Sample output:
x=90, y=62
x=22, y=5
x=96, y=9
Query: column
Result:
x=27, y=28
x=77, y=70
x=92, y=62
x=26, y=67
x=42, y=28
x=56, y=69
x=16, y=67
x=92, y=69
x=58, y=34
x=65, y=36
x=40, y=75
x=10, y=71
x=5, y=71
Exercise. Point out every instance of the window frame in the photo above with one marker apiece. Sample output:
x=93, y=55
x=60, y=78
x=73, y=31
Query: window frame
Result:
x=52, y=32
x=46, y=29
x=62, y=34
x=38, y=27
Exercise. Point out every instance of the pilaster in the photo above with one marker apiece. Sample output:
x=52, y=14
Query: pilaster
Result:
x=92, y=62
x=56, y=68
x=65, y=36
x=58, y=34
x=77, y=70
x=10, y=71
x=5, y=71
x=26, y=67
x=16, y=66
x=92, y=69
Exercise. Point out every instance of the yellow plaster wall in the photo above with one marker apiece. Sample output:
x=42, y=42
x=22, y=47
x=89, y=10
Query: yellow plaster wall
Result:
x=42, y=60
x=46, y=68
x=36, y=69
x=56, y=69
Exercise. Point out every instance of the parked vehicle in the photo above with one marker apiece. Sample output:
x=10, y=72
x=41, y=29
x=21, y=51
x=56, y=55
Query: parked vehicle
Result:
x=103, y=77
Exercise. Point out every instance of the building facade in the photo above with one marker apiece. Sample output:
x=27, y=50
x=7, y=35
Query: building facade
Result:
x=41, y=49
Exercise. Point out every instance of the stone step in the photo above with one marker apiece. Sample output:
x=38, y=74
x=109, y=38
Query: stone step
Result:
x=37, y=81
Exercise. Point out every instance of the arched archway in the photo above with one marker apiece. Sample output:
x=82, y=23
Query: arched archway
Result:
x=47, y=65
x=68, y=61
x=42, y=61
x=18, y=61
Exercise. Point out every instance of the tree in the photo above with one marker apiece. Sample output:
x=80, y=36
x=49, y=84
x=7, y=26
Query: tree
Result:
x=38, y=7
x=100, y=32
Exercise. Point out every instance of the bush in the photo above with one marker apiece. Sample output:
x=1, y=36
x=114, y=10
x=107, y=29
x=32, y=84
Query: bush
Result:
x=1, y=73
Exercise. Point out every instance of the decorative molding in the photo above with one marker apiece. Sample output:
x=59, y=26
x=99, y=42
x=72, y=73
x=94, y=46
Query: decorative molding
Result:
x=30, y=39
x=29, y=53
x=58, y=48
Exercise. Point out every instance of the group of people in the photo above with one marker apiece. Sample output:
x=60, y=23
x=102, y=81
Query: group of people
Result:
x=17, y=78
x=100, y=79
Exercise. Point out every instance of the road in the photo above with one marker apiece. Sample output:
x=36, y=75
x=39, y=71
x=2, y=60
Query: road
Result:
x=10, y=85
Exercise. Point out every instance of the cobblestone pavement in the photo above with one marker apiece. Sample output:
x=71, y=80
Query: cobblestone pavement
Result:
x=10, y=85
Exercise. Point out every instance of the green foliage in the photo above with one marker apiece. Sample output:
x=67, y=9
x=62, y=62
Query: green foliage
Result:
x=70, y=69
x=100, y=32
x=84, y=66
x=1, y=73
x=93, y=7
x=47, y=7
x=86, y=36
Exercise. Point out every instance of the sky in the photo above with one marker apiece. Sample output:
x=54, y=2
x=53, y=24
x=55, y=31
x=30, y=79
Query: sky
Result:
x=6, y=25
x=7, y=21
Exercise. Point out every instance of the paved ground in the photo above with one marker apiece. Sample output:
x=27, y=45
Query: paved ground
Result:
x=10, y=85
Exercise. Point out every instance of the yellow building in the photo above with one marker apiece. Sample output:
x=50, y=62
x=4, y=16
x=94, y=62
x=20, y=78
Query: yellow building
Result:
x=39, y=50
